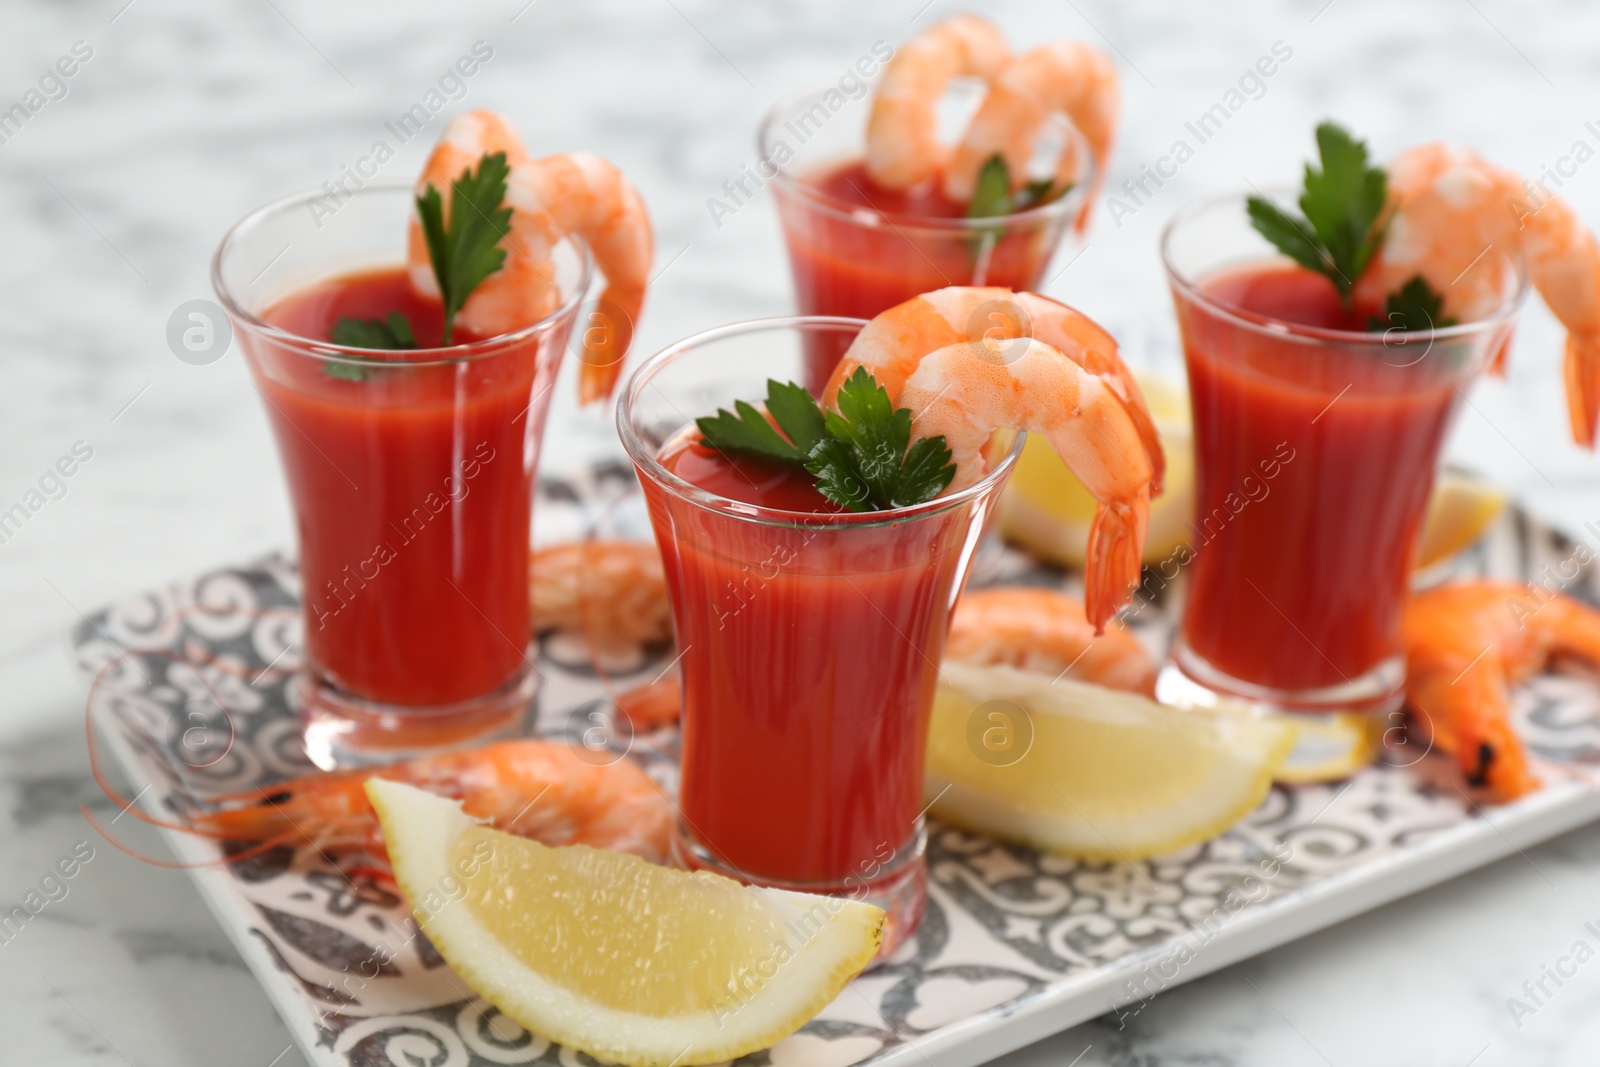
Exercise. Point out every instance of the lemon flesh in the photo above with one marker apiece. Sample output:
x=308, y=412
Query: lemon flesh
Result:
x=614, y=956
x=1328, y=748
x=1047, y=511
x=1460, y=510
x=1092, y=772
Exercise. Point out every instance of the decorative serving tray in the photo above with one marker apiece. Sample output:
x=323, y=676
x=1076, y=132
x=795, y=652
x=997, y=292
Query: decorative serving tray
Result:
x=1016, y=945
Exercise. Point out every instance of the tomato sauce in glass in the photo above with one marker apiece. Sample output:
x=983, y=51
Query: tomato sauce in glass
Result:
x=1314, y=464
x=810, y=660
x=412, y=488
x=866, y=252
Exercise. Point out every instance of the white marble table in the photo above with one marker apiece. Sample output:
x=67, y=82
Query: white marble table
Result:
x=184, y=115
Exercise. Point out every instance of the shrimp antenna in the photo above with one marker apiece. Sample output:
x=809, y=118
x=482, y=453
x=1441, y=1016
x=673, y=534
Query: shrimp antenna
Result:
x=220, y=861
x=130, y=806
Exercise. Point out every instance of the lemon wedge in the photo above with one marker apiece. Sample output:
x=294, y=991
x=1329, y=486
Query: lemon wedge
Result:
x=1091, y=772
x=1328, y=748
x=1461, y=509
x=627, y=961
x=1046, y=511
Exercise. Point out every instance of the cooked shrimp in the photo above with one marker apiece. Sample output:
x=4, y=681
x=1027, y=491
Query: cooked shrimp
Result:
x=583, y=194
x=537, y=789
x=614, y=592
x=903, y=146
x=1448, y=206
x=1065, y=77
x=652, y=705
x=968, y=390
x=467, y=138
x=1045, y=630
x=892, y=345
x=578, y=194
x=1087, y=343
x=521, y=292
x=1465, y=646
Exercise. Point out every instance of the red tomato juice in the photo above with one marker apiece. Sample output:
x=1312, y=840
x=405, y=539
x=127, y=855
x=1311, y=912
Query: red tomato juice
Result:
x=1314, y=463
x=844, y=266
x=411, y=487
x=810, y=660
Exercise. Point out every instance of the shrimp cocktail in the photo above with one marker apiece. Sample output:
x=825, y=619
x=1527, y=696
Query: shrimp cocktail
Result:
x=1324, y=381
x=404, y=346
x=815, y=544
x=876, y=206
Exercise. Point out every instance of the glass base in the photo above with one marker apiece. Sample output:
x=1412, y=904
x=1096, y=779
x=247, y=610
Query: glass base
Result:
x=899, y=887
x=1339, y=728
x=343, y=731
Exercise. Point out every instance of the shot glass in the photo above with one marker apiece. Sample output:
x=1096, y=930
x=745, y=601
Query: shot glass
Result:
x=851, y=258
x=1315, y=454
x=810, y=642
x=411, y=481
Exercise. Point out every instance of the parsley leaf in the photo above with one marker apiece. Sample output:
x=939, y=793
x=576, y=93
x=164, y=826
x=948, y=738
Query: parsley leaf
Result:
x=1414, y=306
x=875, y=434
x=796, y=413
x=347, y=371
x=832, y=464
x=1038, y=192
x=867, y=464
x=748, y=432
x=466, y=250
x=391, y=333
x=1342, y=204
x=861, y=455
x=992, y=195
x=927, y=470
x=1293, y=237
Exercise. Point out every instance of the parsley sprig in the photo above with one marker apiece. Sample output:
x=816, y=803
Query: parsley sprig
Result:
x=393, y=332
x=861, y=455
x=1342, y=228
x=466, y=251
x=1342, y=205
x=463, y=252
x=993, y=197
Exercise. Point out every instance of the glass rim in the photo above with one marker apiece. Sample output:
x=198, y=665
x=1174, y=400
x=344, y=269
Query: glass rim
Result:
x=350, y=355
x=1270, y=325
x=647, y=463
x=1065, y=206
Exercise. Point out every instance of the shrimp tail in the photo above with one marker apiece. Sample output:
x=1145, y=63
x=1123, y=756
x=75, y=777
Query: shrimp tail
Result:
x=606, y=341
x=1116, y=549
x=624, y=246
x=1498, y=361
x=1582, y=372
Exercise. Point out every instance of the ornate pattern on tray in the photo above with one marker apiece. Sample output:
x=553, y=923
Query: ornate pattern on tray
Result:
x=359, y=985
